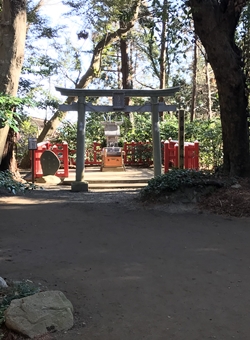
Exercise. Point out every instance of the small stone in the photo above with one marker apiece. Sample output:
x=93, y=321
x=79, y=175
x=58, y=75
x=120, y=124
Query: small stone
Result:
x=49, y=179
x=236, y=186
x=3, y=283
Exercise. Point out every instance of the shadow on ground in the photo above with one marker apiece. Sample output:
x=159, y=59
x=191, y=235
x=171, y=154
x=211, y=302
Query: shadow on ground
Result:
x=131, y=271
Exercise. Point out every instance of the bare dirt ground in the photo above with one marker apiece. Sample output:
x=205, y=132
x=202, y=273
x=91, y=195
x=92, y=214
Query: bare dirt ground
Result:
x=134, y=271
x=232, y=201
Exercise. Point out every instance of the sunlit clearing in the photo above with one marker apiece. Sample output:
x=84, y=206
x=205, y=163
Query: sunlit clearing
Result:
x=26, y=201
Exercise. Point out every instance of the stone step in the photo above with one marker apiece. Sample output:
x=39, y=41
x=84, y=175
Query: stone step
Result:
x=117, y=185
x=67, y=181
x=112, y=184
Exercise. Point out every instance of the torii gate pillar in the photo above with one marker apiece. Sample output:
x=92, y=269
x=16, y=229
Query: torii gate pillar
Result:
x=80, y=184
x=156, y=136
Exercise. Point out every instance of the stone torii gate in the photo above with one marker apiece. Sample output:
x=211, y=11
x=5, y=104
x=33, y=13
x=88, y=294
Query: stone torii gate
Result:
x=81, y=106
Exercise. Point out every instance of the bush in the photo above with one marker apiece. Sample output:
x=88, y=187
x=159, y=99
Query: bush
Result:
x=209, y=135
x=8, y=182
x=172, y=181
x=26, y=129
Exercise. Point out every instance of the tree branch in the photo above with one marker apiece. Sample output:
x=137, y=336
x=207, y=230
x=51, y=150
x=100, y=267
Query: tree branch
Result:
x=93, y=70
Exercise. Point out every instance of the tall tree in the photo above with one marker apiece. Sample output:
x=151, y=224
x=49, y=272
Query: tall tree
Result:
x=215, y=23
x=15, y=19
x=208, y=83
x=12, y=43
x=194, y=80
x=243, y=39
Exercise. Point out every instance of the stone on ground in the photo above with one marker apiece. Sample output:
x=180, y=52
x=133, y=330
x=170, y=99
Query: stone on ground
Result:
x=3, y=283
x=49, y=179
x=39, y=314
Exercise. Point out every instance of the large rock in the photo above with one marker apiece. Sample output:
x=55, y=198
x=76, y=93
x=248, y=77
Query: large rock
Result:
x=39, y=314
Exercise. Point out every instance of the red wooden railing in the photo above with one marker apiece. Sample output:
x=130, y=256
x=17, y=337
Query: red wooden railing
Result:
x=191, y=152
x=93, y=155
x=138, y=153
x=135, y=154
x=61, y=150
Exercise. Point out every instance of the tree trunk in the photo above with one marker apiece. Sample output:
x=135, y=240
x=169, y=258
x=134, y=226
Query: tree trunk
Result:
x=163, y=52
x=51, y=124
x=9, y=159
x=3, y=137
x=209, y=96
x=194, y=89
x=215, y=24
x=125, y=65
x=245, y=42
x=126, y=73
x=12, y=43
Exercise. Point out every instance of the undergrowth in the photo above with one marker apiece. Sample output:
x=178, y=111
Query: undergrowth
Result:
x=15, y=290
x=8, y=182
x=172, y=181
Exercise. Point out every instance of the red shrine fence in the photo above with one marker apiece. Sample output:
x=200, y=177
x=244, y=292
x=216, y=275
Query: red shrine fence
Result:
x=135, y=154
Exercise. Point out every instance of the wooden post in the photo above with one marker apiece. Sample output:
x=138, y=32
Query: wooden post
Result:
x=80, y=151
x=32, y=145
x=181, y=138
x=33, y=165
x=156, y=136
x=166, y=156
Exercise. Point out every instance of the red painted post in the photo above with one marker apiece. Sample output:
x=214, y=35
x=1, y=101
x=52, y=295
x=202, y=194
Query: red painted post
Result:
x=141, y=147
x=148, y=149
x=86, y=156
x=196, y=158
x=98, y=152
x=94, y=151
x=65, y=159
x=61, y=150
x=133, y=151
x=41, y=147
x=176, y=155
x=130, y=152
x=125, y=151
x=166, y=156
x=187, y=155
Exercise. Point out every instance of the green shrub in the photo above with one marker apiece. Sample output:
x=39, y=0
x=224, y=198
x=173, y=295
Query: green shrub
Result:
x=209, y=135
x=172, y=181
x=26, y=129
x=8, y=182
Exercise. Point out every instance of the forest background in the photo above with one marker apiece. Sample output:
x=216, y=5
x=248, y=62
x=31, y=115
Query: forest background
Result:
x=129, y=44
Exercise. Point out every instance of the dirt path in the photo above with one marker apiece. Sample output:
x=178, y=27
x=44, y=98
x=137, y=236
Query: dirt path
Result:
x=132, y=272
